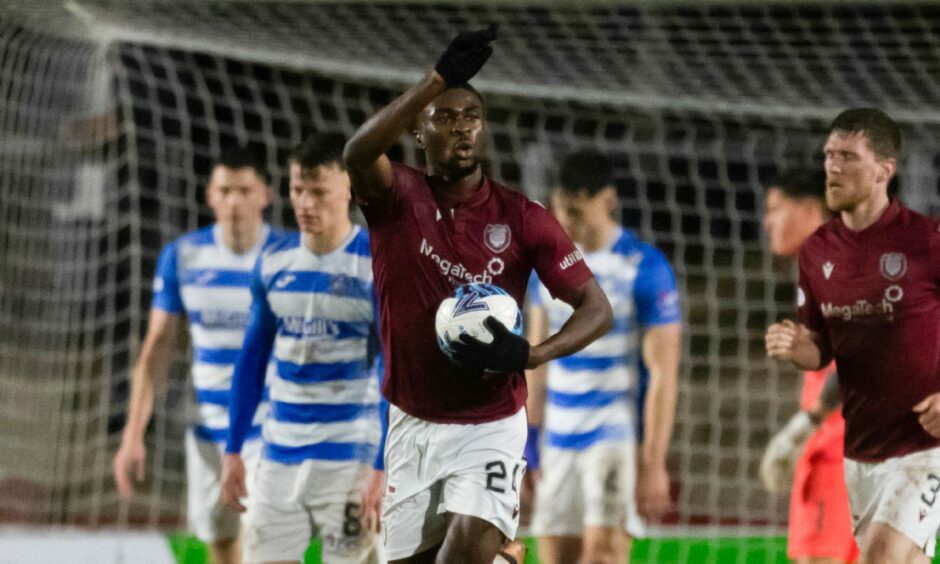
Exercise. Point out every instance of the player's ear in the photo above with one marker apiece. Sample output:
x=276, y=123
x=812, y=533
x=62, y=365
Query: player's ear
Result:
x=416, y=128
x=268, y=195
x=888, y=167
x=610, y=198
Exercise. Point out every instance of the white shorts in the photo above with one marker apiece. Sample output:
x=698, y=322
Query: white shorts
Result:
x=594, y=487
x=208, y=519
x=435, y=468
x=291, y=503
x=902, y=492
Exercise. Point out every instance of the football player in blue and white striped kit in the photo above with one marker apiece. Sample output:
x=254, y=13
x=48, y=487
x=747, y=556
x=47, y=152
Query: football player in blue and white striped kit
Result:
x=312, y=307
x=591, y=480
x=202, y=277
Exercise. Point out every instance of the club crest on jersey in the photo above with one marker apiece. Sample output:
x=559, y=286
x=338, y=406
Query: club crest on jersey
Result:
x=340, y=285
x=893, y=265
x=497, y=237
x=827, y=269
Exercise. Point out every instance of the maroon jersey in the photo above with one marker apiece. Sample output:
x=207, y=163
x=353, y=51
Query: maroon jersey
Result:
x=421, y=250
x=873, y=298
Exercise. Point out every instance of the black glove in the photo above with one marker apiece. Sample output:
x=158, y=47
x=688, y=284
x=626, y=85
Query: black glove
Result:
x=465, y=55
x=505, y=353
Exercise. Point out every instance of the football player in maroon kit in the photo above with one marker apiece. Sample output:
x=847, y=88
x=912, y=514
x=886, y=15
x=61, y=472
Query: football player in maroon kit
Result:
x=869, y=297
x=457, y=431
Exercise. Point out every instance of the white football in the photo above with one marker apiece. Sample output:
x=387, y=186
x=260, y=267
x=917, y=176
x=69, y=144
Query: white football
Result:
x=468, y=307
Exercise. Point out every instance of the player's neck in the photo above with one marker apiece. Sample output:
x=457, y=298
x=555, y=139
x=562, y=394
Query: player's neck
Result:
x=326, y=242
x=456, y=189
x=240, y=240
x=866, y=213
x=597, y=239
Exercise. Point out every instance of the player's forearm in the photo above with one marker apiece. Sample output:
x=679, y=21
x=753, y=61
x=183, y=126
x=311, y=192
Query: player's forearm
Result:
x=248, y=376
x=247, y=389
x=806, y=355
x=152, y=368
x=662, y=347
x=382, y=131
x=658, y=419
x=535, y=402
x=537, y=330
x=591, y=319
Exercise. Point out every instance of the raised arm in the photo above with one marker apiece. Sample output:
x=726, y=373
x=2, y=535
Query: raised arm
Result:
x=369, y=168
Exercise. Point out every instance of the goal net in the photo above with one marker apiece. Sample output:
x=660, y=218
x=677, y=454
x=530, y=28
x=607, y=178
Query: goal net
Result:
x=113, y=111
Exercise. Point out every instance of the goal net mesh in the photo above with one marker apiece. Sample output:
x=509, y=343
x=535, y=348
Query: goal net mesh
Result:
x=109, y=131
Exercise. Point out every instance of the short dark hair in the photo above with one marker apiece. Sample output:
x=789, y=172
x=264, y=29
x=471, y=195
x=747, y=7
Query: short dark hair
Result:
x=801, y=183
x=586, y=170
x=244, y=156
x=318, y=149
x=884, y=136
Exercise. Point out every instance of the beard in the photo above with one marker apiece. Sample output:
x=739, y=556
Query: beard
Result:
x=842, y=199
x=459, y=168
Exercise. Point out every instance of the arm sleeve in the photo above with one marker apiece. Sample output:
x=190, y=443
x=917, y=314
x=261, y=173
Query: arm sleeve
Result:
x=248, y=379
x=559, y=264
x=654, y=291
x=380, y=210
x=810, y=314
x=379, y=367
x=166, y=285
x=379, y=463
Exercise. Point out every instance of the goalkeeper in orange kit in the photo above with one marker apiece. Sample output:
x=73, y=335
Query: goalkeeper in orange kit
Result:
x=807, y=453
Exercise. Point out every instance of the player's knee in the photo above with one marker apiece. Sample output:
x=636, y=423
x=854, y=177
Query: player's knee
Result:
x=470, y=541
x=600, y=546
x=599, y=552
x=225, y=551
x=879, y=549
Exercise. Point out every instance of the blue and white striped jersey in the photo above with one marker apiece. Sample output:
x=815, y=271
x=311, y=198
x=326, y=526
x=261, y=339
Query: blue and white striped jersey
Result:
x=201, y=277
x=315, y=312
x=593, y=395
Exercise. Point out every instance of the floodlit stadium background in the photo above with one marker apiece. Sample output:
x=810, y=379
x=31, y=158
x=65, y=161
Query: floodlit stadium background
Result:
x=112, y=111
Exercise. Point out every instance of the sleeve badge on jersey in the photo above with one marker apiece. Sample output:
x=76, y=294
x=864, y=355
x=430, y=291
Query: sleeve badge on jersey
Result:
x=800, y=297
x=497, y=237
x=893, y=265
